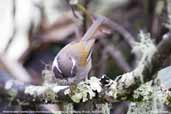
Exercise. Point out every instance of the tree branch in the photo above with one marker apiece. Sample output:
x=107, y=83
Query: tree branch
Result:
x=105, y=89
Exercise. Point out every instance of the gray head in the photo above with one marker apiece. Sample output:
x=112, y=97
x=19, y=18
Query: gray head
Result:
x=64, y=67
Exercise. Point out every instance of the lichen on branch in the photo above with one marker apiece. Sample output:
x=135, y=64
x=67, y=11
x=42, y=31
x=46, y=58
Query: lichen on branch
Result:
x=103, y=89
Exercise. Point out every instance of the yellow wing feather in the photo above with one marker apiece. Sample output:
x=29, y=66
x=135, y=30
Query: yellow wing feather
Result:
x=84, y=52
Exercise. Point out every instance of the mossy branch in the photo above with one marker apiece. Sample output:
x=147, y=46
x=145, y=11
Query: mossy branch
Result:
x=103, y=89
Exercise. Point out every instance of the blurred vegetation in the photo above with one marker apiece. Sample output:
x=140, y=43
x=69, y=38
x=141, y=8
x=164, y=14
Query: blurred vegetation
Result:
x=33, y=31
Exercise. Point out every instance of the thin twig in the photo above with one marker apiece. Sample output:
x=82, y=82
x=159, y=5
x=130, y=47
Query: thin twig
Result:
x=84, y=26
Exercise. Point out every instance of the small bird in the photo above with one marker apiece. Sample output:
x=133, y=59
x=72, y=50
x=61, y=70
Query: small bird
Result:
x=73, y=62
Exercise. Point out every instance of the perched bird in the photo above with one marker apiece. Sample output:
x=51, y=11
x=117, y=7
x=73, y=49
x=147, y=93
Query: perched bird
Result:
x=73, y=62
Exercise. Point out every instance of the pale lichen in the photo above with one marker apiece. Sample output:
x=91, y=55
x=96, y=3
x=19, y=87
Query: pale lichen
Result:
x=106, y=108
x=127, y=79
x=146, y=48
x=46, y=91
x=35, y=90
x=112, y=89
x=85, y=90
x=143, y=93
x=95, y=84
x=148, y=98
x=56, y=89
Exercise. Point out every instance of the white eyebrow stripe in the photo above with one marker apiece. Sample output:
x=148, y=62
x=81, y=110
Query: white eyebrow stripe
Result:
x=55, y=63
x=73, y=65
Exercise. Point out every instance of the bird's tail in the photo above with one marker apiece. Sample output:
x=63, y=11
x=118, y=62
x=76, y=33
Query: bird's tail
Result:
x=93, y=28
